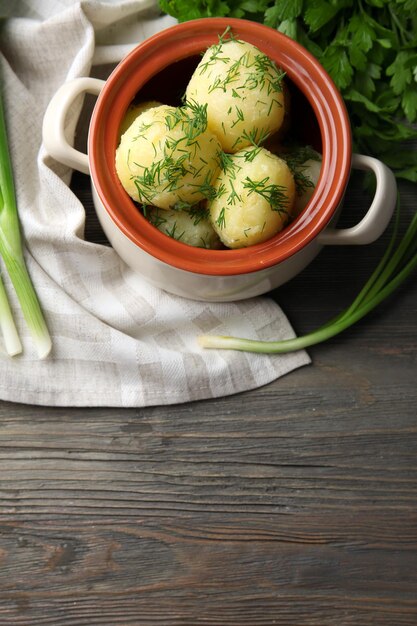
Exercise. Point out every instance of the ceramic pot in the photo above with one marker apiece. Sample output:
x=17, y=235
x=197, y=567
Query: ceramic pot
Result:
x=159, y=68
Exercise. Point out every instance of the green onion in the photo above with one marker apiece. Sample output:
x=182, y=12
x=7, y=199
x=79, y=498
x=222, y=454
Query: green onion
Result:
x=392, y=270
x=12, y=254
x=7, y=325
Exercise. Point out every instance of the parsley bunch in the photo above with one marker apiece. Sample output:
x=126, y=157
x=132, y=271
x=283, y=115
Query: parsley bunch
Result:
x=369, y=48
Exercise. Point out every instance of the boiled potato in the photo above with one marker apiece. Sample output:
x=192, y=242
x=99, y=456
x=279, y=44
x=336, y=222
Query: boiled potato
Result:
x=254, y=197
x=191, y=226
x=133, y=111
x=168, y=156
x=309, y=173
x=243, y=90
x=305, y=164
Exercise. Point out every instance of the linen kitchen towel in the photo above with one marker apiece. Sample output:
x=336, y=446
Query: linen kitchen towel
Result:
x=117, y=341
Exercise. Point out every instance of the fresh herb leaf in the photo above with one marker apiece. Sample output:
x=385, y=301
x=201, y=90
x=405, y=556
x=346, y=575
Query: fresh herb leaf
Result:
x=318, y=13
x=284, y=10
x=401, y=71
x=336, y=61
x=409, y=103
x=289, y=28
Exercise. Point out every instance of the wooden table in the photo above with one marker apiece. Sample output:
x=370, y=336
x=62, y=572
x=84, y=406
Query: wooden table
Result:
x=291, y=504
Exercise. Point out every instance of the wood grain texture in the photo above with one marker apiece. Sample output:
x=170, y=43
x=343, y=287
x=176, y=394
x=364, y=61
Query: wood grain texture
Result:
x=293, y=504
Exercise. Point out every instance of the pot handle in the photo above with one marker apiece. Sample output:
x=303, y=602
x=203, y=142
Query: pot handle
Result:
x=379, y=213
x=53, y=128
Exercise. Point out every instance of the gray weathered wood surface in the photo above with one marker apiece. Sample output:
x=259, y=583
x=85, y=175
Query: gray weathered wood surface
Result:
x=291, y=504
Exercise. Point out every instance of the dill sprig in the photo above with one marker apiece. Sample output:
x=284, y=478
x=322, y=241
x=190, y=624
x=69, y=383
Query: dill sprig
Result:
x=228, y=164
x=220, y=190
x=198, y=212
x=206, y=188
x=251, y=154
x=155, y=217
x=167, y=172
x=233, y=195
x=239, y=116
x=176, y=155
x=269, y=75
x=256, y=136
x=264, y=75
x=275, y=195
x=172, y=232
x=141, y=131
x=221, y=218
x=227, y=35
x=216, y=51
x=296, y=160
x=192, y=117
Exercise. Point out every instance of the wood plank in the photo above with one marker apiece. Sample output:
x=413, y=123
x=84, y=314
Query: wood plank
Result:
x=293, y=504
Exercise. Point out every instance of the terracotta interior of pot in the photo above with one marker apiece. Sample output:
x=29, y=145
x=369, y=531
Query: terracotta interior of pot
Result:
x=318, y=119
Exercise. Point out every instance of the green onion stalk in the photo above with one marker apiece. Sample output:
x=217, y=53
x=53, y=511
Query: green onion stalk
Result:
x=11, y=252
x=12, y=341
x=393, y=269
